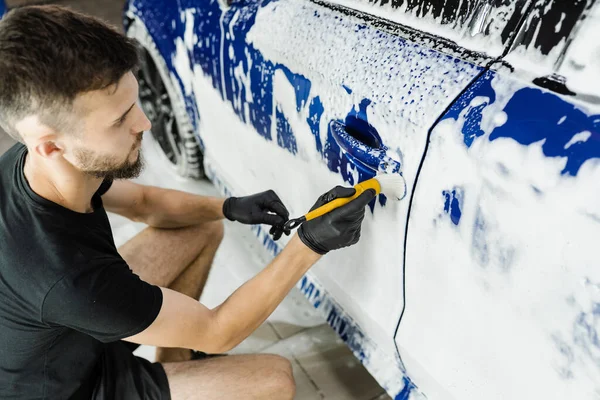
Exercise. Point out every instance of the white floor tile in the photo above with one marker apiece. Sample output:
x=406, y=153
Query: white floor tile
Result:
x=331, y=367
x=262, y=338
x=306, y=389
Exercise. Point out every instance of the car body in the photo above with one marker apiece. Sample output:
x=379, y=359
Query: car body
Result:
x=482, y=282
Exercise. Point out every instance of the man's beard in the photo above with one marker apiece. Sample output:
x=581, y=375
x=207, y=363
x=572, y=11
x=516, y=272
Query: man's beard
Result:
x=103, y=167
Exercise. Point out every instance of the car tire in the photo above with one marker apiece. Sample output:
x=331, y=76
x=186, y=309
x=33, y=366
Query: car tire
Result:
x=172, y=129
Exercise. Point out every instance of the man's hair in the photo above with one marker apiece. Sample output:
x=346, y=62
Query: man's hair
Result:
x=49, y=55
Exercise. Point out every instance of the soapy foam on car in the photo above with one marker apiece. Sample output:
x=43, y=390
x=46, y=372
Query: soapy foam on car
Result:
x=490, y=44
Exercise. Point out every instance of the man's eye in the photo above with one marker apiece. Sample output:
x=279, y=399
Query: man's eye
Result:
x=121, y=121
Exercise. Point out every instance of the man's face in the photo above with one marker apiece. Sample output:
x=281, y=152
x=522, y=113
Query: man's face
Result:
x=108, y=144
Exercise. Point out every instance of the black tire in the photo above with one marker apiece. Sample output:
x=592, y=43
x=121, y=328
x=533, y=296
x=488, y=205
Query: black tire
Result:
x=172, y=129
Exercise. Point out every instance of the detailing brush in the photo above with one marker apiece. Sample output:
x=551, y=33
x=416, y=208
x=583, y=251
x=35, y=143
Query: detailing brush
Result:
x=392, y=185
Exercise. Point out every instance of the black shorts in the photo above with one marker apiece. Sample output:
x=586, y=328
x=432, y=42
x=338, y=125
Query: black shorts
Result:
x=123, y=376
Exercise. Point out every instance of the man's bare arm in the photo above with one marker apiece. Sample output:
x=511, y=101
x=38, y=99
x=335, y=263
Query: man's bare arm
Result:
x=166, y=208
x=159, y=207
x=183, y=322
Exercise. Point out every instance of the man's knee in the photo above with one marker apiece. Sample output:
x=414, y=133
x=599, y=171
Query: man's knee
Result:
x=281, y=376
x=212, y=232
x=217, y=229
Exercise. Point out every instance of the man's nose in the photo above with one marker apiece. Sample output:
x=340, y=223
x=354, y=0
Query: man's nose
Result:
x=143, y=123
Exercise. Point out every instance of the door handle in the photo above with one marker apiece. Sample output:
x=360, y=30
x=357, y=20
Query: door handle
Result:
x=375, y=159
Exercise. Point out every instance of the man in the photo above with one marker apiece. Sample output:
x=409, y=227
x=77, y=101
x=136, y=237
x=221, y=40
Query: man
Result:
x=72, y=305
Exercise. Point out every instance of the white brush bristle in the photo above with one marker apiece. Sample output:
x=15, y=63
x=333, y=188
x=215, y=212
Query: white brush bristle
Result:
x=392, y=185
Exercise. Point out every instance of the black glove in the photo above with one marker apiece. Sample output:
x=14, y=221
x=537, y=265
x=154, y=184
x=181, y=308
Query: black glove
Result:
x=260, y=208
x=339, y=228
x=278, y=230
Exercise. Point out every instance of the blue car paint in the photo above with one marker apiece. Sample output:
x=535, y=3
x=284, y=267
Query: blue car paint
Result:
x=408, y=389
x=259, y=114
x=534, y=115
x=301, y=86
x=315, y=112
x=452, y=204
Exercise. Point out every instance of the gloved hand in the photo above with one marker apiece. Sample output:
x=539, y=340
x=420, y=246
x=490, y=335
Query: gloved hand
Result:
x=339, y=228
x=260, y=208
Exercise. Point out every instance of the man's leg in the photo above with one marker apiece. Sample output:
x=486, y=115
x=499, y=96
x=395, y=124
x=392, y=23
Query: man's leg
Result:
x=260, y=376
x=179, y=259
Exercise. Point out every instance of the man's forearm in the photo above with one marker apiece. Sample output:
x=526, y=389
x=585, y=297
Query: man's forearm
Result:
x=165, y=208
x=250, y=305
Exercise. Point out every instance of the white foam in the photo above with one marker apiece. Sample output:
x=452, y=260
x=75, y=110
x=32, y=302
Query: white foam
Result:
x=581, y=65
x=188, y=34
x=462, y=35
x=559, y=24
x=181, y=63
x=578, y=138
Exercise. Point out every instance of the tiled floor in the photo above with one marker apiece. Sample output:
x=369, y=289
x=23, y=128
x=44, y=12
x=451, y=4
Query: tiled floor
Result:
x=323, y=367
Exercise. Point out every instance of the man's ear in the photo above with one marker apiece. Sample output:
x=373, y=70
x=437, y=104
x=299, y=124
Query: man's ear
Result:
x=39, y=137
x=48, y=148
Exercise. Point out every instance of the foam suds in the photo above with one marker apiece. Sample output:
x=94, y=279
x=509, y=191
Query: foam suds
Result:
x=581, y=65
x=462, y=35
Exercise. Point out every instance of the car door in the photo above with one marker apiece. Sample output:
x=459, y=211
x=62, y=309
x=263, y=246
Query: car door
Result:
x=502, y=278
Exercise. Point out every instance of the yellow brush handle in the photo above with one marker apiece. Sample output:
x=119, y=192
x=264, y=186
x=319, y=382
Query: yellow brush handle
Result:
x=332, y=205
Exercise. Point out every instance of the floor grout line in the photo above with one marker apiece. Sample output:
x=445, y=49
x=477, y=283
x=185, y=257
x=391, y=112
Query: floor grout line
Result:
x=309, y=377
x=298, y=362
x=275, y=330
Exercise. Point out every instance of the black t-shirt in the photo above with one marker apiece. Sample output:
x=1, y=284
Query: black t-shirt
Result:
x=64, y=290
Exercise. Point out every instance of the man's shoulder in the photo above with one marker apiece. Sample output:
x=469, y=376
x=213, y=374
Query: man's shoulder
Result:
x=9, y=160
x=12, y=153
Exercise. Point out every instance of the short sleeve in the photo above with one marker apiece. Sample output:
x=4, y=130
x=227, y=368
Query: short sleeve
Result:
x=108, y=302
x=106, y=184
